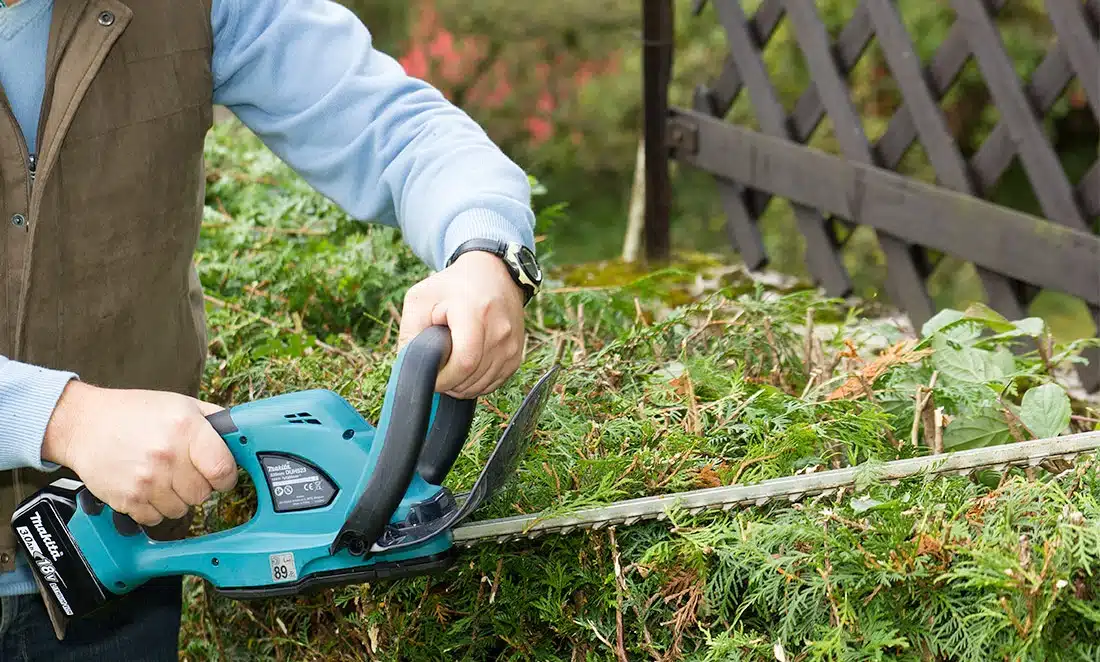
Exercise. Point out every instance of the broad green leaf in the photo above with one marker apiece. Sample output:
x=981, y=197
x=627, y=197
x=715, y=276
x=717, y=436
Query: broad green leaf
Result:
x=1004, y=360
x=976, y=431
x=939, y=321
x=989, y=317
x=966, y=364
x=1045, y=410
x=1031, y=326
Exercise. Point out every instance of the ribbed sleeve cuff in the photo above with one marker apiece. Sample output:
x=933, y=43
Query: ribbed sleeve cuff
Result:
x=28, y=396
x=481, y=224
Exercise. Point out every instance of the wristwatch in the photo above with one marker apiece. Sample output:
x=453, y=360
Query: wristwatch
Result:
x=520, y=261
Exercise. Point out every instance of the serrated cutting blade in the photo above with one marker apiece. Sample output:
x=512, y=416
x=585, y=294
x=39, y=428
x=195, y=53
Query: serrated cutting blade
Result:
x=791, y=488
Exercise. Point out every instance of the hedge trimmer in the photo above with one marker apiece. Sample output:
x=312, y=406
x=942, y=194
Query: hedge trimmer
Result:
x=340, y=501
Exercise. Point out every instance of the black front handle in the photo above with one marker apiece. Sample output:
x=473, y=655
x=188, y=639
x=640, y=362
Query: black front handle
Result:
x=445, y=440
x=412, y=395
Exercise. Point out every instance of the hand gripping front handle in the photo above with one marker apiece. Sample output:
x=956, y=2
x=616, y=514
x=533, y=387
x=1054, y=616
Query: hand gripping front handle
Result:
x=410, y=397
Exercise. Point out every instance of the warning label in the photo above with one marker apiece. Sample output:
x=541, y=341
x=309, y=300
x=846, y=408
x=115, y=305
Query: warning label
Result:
x=294, y=484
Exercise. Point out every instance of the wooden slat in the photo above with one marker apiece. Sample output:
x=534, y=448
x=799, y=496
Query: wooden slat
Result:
x=850, y=46
x=931, y=125
x=921, y=108
x=995, y=155
x=1043, y=168
x=822, y=258
x=763, y=25
x=1089, y=190
x=905, y=279
x=1001, y=239
x=741, y=227
x=1081, y=47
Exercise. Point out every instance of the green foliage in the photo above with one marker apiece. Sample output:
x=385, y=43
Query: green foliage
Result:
x=658, y=398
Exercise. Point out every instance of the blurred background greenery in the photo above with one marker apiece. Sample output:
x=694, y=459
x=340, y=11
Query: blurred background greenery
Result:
x=558, y=86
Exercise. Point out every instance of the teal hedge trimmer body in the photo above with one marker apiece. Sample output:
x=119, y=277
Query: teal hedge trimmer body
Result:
x=338, y=500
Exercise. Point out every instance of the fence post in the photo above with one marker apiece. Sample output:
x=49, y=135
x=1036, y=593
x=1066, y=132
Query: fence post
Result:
x=657, y=42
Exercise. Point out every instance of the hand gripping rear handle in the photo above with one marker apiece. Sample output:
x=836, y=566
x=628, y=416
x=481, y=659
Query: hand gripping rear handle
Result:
x=412, y=393
x=221, y=421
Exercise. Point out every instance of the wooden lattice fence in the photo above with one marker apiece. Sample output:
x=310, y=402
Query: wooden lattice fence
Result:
x=1015, y=254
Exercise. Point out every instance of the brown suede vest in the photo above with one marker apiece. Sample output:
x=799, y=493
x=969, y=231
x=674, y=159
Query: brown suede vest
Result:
x=96, y=249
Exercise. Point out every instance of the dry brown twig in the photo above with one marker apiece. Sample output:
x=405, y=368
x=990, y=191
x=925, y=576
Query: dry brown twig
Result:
x=620, y=583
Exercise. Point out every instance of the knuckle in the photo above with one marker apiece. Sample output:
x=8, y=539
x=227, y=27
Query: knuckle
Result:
x=144, y=480
x=162, y=452
x=467, y=361
x=129, y=501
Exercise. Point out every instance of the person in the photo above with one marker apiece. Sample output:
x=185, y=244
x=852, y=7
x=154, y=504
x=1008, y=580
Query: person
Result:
x=102, y=331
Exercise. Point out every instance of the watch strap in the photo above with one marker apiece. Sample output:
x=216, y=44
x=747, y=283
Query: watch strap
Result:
x=501, y=249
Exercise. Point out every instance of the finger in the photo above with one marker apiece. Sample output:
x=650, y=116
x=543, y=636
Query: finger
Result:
x=472, y=390
x=191, y=486
x=212, y=459
x=416, y=314
x=507, y=354
x=143, y=514
x=169, y=504
x=467, y=348
x=506, y=374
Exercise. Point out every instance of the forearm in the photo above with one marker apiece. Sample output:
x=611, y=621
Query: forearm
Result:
x=28, y=396
x=304, y=76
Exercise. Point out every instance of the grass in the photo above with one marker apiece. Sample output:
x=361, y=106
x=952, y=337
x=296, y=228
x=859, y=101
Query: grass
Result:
x=720, y=381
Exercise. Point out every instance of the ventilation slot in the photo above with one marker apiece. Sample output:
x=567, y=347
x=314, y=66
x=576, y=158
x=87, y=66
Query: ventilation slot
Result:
x=301, y=417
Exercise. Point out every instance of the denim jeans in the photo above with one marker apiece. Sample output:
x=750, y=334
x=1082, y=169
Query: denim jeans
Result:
x=143, y=627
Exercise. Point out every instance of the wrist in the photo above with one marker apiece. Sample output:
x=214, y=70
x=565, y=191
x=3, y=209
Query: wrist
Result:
x=56, y=442
x=488, y=263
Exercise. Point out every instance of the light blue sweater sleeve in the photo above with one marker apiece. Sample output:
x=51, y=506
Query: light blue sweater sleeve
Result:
x=28, y=395
x=385, y=147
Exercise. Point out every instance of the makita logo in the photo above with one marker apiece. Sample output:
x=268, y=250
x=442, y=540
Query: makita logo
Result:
x=47, y=539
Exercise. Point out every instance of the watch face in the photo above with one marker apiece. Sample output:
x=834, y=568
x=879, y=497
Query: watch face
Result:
x=527, y=261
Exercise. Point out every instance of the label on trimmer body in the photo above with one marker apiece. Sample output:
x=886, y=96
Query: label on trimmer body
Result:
x=295, y=484
x=283, y=568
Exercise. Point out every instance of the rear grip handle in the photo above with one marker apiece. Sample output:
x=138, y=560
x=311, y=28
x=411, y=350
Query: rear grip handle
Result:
x=414, y=391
